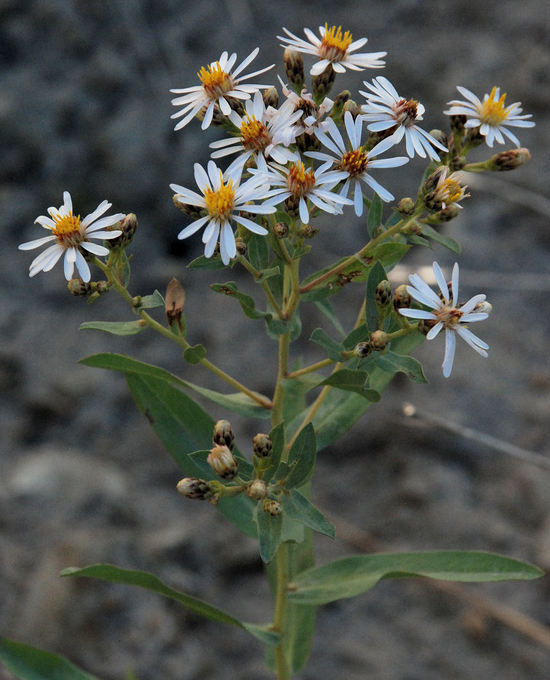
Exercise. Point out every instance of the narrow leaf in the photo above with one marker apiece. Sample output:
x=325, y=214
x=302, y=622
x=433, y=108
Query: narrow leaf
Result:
x=301, y=458
x=203, y=262
x=31, y=663
x=114, y=327
x=443, y=240
x=376, y=274
x=374, y=217
x=246, y=302
x=331, y=347
x=269, y=532
x=195, y=354
x=351, y=576
x=152, y=301
x=277, y=436
x=258, y=251
x=326, y=309
x=352, y=381
x=143, y=579
x=389, y=254
x=302, y=510
x=392, y=363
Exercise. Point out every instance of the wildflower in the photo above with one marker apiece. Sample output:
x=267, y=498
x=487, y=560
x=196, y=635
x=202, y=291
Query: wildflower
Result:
x=443, y=190
x=314, y=115
x=353, y=161
x=385, y=109
x=490, y=115
x=334, y=48
x=217, y=84
x=70, y=235
x=298, y=184
x=223, y=199
x=265, y=131
x=446, y=313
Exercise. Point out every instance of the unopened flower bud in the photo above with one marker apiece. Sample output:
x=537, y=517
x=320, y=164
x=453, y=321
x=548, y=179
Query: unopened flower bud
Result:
x=174, y=300
x=457, y=163
x=378, y=340
x=413, y=229
x=272, y=507
x=193, y=487
x=192, y=211
x=280, y=230
x=433, y=180
x=353, y=107
x=222, y=461
x=509, y=160
x=337, y=110
x=271, y=97
x=401, y=297
x=257, y=490
x=128, y=226
x=483, y=307
x=426, y=325
x=440, y=136
x=474, y=137
x=294, y=67
x=362, y=349
x=448, y=213
x=292, y=205
x=322, y=84
x=382, y=294
x=223, y=434
x=262, y=445
x=241, y=245
x=458, y=123
x=307, y=231
x=79, y=287
x=406, y=206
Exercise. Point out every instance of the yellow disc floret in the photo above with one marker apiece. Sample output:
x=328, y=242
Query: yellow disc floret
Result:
x=215, y=80
x=68, y=230
x=220, y=202
x=300, y=182
x=492, y=110
x=334, y=45
x=354, y=162
x=452, y=190
x=255, y=134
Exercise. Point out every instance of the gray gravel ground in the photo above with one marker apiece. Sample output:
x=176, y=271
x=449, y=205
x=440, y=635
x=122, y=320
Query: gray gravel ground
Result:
x=85, y=107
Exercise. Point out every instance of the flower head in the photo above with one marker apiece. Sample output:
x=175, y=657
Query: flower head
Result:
x=314, y=115
x=69, y=235
x=385, y=110
x=443, y=189
x=265, y=131
x=353, y=161
x=490, y=115
x=223, y=200
x=218, y=83
x=446, y=313
x=334, y=48
x=300, y=184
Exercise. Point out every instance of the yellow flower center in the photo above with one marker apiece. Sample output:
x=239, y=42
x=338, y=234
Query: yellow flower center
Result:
x=405, y=111
x=354, y=162
x=255, y=134
x=68, y=230
x=334, y=45
x=220, y=202
x=215, y=80
x=452, y=190
x=299, y=181
x=492, y=111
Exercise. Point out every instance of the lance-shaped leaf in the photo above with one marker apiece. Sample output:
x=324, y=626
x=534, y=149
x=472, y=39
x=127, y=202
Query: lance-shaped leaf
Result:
x=237, y=402
x=359, y=334
x=327, y=310
x=390, y=362
x=143, y=579
x=355, y=272
x=269, y=532
x=351, y=576
x=194, y=354
x=152, y=301
x=331, y=347
x=277, y=436
x=203, y=262
x=302, y=510
x=31, y=663
x=247, y=303
x=352, y=381
x=374, y=216
x=376, y=274
x=389, y=254
x=445, y=241
x=301, y=458
x=258, y=251
x=266, y=274
x=276, y=327
x=115, y=327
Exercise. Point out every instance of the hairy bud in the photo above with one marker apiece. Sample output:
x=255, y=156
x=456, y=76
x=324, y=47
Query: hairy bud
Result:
x=281, y=230
x=223, y=434
x=378, y=340
x=401, y=297
x=128, y=226
x=222, y=461
x=257, y=490
x=322, y=84
x=271, y=97
x=382, y=294
x=193, y=487
x=362, y=349
x=262, y=445
x=241, y=246
x=79, y=287
x=353, y=107
x=294, y=67
x=406, y=206
x=509, y=160
x=272, y=507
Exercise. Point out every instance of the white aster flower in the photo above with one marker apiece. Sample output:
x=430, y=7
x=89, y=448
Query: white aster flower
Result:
x=353, y=161
x=314, y=115
x=447, y=314
x=385, y=109
x=223, y=198
x=300, y=185
x=445, y=189
x=490, y=115
x=333, y=48
x=217, y=83
x=263, y=131
x=69, y=236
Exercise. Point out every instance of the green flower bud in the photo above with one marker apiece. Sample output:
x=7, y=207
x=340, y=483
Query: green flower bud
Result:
x=272, y=507
x=262, y=445
x=401, y=297
x=193, y=487
x=222, y=461
x=383, y=293
x=378, y=340
x=223, y=434
x=294, y=67
x=257, y=490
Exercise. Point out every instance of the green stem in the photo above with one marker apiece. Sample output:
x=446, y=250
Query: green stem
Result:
x=257, y=274
x=309, y=369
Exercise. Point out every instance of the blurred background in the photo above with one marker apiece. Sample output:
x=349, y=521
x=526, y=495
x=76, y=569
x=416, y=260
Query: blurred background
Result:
x=85, y=107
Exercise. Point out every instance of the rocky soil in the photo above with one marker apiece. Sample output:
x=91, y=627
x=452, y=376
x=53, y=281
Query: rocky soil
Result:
x=85, y=107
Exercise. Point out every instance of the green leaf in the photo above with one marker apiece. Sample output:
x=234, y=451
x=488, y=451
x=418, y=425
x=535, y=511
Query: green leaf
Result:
x=331, y=347
x=352, y=381
x=194, y=354
x=277, y=436
x=114, y=327
x=389, y=254
x=351, y=576
x=142, y=579
x=376, y=274
x=302, y=510
x=266, y=274
x=31, y=663
x=203, y=262
x=392, y=363
x=269, y=532
x=237, y=401
x=152, y=301
x=247, y=303
x=445, y=241
x=184, y=427
x=374, y=217
x=258, y=251
x=359, y=334
x=301, y=458
x=123, y=269
x=325, y=308
x=276, y=327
